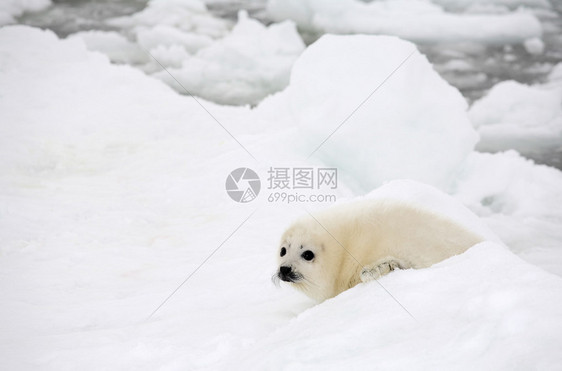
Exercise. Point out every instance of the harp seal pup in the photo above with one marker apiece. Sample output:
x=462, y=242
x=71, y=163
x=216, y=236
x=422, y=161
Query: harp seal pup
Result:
x=329, y=252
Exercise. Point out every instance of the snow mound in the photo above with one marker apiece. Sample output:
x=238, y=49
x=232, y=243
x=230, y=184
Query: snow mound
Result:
x=484, y=309
x=101, y=168
x=11, y=9
x=212, y=60
x=414, y=126
x=250, y=63
x=117, y=48
x=518, y=116
x=172, y=31
x=58, y=136
x=519, y=201
x=534, y=46
x=189, y=16
x=427, y=22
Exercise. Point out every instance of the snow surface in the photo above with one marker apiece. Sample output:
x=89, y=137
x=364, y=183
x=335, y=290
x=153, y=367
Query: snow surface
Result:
x=112, y=192
x=426, y=22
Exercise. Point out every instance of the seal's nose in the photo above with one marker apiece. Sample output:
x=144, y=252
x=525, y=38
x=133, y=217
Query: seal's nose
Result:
x=285, y=270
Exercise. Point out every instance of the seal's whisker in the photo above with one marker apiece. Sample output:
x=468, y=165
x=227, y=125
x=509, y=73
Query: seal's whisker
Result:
x=310, y=282
x=276, y=279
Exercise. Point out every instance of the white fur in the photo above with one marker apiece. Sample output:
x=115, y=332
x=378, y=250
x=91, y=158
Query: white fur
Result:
x=364, y=240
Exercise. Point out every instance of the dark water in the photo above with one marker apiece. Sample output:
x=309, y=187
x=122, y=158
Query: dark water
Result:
x=487, y=65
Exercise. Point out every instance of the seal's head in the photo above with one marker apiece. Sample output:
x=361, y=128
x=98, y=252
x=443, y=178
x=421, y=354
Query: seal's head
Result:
x=301, y=259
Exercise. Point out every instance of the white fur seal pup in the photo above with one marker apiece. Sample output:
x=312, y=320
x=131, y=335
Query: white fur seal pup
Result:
x=325, y=254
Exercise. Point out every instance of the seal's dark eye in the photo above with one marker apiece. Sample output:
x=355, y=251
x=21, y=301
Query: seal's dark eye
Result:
x=283, y=251
x=308, y=255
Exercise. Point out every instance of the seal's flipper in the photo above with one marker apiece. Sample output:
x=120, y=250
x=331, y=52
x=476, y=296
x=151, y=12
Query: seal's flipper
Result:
x=376, y=270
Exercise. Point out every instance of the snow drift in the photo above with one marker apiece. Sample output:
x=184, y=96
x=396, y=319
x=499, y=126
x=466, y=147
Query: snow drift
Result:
x=399, y=119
